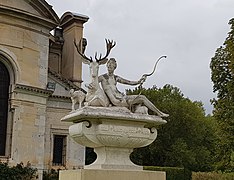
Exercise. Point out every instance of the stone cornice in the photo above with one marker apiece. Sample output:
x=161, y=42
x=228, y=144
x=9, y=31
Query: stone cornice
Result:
x=60, y=97
x=32, y=90
x=27, y=16
x=45, y=9
x=69, y=18
x=64, y=81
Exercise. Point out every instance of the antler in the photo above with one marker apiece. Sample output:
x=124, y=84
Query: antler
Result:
x=82, y=53
x=109, y=46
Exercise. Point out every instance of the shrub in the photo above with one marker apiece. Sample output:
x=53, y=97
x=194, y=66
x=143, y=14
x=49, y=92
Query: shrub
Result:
x=212, y=176
x=51, y=175
x=172, y=173
x=18, y=172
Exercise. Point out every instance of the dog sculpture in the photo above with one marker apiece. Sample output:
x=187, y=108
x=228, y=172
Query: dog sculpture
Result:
x=77, y=97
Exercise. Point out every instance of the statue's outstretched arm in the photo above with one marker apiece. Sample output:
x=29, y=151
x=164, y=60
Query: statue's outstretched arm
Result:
x=125, y=81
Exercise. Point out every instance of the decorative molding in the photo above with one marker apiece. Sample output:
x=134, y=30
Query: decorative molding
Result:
x=32, y=90
x=49, y=18
x=69, y=18
x=60, y=97
x=45, y=9
x=10, y=60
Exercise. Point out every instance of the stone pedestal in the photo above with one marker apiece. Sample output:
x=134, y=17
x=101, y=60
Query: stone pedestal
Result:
x=113, y=133
x=92, y=174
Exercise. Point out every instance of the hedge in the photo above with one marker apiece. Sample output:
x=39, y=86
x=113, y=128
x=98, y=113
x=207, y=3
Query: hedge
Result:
x=212, y=176
x=172, y=173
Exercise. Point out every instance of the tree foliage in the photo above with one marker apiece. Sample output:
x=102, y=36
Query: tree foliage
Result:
x=187, y=140
x=222, y=75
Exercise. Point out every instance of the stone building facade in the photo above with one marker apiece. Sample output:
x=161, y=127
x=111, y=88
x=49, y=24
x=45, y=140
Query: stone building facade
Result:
x=37, y=70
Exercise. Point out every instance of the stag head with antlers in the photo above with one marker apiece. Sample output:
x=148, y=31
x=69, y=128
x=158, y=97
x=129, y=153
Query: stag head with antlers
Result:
x=81, y=49
x=95, y=95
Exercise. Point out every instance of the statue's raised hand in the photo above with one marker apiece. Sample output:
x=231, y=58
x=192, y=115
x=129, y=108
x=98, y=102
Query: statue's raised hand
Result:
x=142, y=80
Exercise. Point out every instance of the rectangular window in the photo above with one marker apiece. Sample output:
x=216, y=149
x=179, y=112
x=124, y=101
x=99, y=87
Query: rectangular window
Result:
x=59, y=151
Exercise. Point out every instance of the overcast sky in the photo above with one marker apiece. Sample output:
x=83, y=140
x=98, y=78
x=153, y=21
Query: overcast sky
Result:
x=187, y=31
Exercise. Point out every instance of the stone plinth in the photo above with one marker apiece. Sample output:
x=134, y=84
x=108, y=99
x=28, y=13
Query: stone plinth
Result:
x=91, y=174
x=113, y=132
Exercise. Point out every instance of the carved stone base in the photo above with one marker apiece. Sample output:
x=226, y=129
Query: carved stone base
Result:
x=113, y=133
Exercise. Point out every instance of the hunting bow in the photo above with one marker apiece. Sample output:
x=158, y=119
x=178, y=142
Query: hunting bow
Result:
x=147, y=75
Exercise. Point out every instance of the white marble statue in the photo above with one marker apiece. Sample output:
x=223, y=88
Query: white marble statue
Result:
x=95, y=95
x=111, y=122
x=109, y=95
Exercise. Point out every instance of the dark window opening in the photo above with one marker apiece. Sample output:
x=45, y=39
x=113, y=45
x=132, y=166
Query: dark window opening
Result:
x=59, y=151
x=4, y=93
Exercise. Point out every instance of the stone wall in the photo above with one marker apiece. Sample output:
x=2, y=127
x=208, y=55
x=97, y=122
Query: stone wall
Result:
x=57, y=109
x=33, y=113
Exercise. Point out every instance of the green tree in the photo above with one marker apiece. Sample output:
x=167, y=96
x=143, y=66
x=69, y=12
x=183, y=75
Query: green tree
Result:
x=222, y=75
x=187, y=140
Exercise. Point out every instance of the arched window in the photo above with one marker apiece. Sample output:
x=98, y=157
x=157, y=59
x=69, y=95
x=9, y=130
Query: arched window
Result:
x=4, y=95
